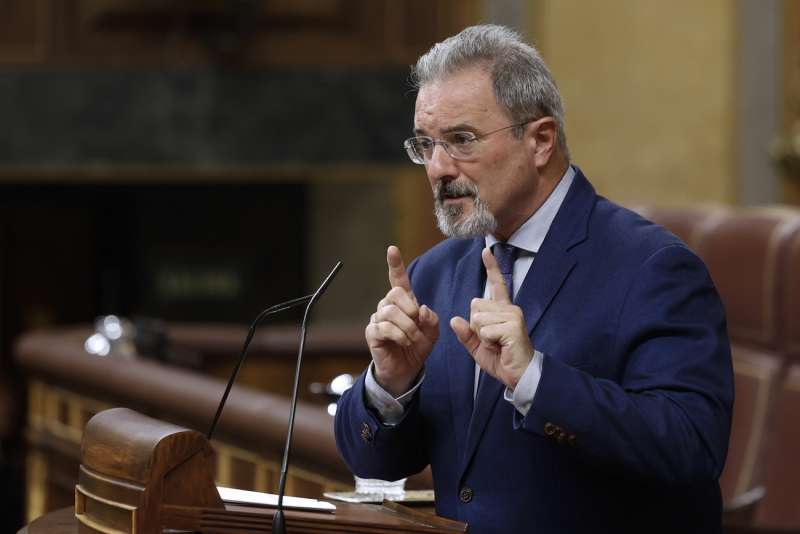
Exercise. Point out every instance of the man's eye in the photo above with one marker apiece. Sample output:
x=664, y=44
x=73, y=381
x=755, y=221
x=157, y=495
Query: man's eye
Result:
x=424, y=143
x=461, y=138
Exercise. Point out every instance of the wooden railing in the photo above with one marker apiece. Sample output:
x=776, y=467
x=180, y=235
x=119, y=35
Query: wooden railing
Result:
x=67, y=386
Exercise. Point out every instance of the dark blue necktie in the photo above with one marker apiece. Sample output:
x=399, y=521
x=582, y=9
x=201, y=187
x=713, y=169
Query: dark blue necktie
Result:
x=506, y=255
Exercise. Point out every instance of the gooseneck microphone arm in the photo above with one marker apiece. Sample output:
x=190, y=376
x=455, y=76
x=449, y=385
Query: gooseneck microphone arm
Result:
x=278, y=521
x=258, y=320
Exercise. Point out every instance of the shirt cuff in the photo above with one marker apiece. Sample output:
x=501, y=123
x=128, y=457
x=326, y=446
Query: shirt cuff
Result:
x=522, y=396
x=389, y=409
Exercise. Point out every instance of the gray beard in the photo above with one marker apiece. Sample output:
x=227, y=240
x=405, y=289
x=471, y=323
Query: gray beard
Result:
x=450, y=219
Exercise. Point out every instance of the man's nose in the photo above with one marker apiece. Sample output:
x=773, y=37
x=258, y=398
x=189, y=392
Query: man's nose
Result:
x=441, y=166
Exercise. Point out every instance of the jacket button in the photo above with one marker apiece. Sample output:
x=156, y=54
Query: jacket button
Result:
x=549, y=429
x=466, y=494
x=366, y=432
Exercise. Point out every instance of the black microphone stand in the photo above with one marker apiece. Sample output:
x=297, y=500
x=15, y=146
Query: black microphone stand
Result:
x=278, y=520
x=258, y=320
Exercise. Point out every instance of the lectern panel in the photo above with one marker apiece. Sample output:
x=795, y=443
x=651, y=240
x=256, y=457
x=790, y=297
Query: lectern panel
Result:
x=102, y=516
x=179, y=491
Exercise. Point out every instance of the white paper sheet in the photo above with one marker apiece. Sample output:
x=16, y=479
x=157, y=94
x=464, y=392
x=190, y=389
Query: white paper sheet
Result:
x=257, y=498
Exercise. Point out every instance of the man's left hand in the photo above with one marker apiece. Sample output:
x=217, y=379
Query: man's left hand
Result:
x=496, y=336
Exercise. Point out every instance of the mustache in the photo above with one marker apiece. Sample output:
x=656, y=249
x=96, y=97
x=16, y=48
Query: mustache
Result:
x=445, y=190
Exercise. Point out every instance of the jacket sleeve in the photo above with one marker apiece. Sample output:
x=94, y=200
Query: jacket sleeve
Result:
x=668, y=415
x=372, y=449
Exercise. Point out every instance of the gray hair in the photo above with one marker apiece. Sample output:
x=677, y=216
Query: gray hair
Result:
x=522, y=82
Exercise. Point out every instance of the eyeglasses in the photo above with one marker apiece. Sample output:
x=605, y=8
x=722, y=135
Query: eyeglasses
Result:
x=458, y=145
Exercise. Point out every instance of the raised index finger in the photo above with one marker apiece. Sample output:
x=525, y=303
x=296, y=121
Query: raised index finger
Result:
x=397, y=270
x=499, y=291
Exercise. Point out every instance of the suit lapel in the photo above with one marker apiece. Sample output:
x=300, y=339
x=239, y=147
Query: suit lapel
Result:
x=554, y=261
x=545, y=278
x=468, y=283
x=550, y=269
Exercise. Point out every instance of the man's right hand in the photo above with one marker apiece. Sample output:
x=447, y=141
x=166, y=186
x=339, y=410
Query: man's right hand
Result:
x=401, y=333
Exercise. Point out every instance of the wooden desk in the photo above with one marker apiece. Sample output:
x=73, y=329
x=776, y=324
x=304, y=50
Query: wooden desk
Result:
x=59, y=522
x=63, y=521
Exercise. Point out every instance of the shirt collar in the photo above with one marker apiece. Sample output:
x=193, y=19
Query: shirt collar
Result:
x=531, y=234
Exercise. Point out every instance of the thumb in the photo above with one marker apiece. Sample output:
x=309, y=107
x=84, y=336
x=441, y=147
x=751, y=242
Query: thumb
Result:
x=464, y=333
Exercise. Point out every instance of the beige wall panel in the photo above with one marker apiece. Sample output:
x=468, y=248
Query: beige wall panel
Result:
x=649, y=91
x=791, y=91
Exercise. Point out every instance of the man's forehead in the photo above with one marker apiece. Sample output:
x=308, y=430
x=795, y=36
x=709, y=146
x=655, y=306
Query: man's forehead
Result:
x=463, y=99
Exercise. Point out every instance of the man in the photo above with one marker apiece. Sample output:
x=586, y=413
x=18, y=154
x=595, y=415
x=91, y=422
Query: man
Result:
x=598, y=397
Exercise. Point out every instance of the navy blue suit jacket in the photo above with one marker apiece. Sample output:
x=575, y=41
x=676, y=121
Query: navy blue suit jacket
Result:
x=629, y=427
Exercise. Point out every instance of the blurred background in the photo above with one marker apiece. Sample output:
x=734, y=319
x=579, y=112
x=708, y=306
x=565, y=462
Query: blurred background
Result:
x=189, y=162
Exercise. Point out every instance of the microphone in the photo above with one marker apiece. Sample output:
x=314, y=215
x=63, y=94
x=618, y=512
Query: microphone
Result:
x=261, y=316
x=278, y=520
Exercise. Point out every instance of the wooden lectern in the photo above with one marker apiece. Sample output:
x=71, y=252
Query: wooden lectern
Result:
x=139, y=475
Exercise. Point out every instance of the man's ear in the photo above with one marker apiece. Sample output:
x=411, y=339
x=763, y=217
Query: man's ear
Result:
x=543, y=137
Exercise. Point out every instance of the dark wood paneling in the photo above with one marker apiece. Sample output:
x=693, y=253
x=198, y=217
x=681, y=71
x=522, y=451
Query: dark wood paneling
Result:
x=254, y=32
x=24, y=30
